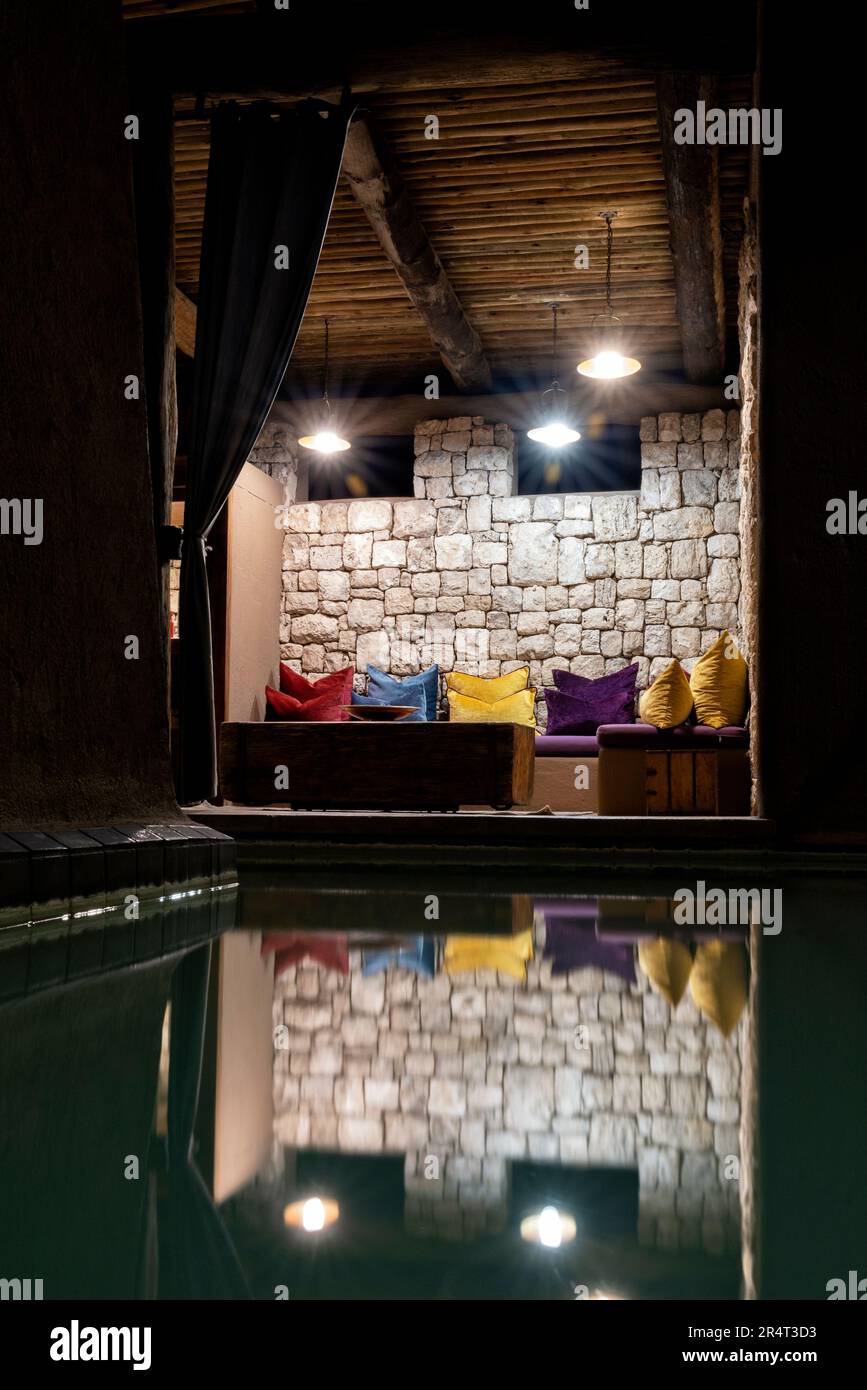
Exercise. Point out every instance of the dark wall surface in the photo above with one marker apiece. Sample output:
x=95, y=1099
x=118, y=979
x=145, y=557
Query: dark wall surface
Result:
x=812, y=438
x=83, y=730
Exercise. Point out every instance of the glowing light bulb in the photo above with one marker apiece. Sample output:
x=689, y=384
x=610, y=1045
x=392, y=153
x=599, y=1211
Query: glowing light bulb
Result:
x=608, y=366
x=550, y=1228
x=325, y=442
x=555, y=435
x=313, y=1215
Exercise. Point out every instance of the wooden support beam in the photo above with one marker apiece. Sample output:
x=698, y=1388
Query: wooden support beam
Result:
x=398, y=415
x=378, y=186
x=185, y=323
x=692, y=191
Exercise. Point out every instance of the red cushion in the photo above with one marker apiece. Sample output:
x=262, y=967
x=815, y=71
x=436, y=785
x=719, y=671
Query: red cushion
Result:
x=337, y=683
x=323, y=707
x=290, y=948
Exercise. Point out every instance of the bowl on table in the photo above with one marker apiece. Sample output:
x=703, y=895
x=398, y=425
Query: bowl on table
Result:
x=383, y=714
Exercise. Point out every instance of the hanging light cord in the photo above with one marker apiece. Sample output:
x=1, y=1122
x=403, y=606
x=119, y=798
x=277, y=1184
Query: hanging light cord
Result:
x=609, y=219
x=554, y=377
x=325, y=373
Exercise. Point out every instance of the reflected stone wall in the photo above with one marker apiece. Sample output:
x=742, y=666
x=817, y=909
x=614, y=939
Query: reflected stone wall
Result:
x=478, y=1069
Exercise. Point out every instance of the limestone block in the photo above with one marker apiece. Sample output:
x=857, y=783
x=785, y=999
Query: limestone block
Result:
x=699, y=1172
x=535, y=648
x=512, y=508
x=333, y=585
x=371, y=514
x=380, y=1094
x=723, y=583
x=689, y=1134
x=570, y=561
x=314, y=628
x=685, y=642
x=433, y=464
x=487, y=553
x=366, y=615
x=615, y=517
x=648, y=428
x=488, y=458
x=533, y=553
x=627, y=1095
x=612, y=1139
x=357, y=550
x=294, y=604
x=629, y=615
x=471, y=485
x=690, y=456
x=439, y=488
x=659, y=455
x=479, y=582
x=599, y=618
x=688, y=559
x=359, y=1135
x=414, y=518
x=687, y=523
x=729, y=485
x=478, y=514
x=699, y=488
x=419, y=556
x=548, y=507
x=567, y=639
x=670, y=495
x=633, y=588
x=716, y=456
x=726, y=517
x=628, y=559
x=649, y=498
x=670, y=427
x=713, y=425
x=598, y=561
x=691, y=425
x=528, y=1094
x=457, y=441
x=655, y=560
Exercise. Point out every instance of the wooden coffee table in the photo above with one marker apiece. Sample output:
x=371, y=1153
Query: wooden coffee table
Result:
x=359, y=765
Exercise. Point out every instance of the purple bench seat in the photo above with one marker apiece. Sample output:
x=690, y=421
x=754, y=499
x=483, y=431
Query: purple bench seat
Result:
x=566, y=746
x=684, y=736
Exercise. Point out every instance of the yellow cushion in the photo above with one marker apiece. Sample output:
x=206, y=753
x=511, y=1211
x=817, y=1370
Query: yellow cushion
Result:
x=719, y=684
x=668, y=702
x=667, y=964
x=506, y=953
x=514, y=709
x=489, y=688
x=718, y=983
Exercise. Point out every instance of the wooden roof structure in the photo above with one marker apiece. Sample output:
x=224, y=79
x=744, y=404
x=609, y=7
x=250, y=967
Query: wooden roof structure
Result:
x=514, y=183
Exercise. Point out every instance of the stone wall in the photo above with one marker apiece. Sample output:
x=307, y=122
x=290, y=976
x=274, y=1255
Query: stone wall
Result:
x=470, y=575
x=477, y=1070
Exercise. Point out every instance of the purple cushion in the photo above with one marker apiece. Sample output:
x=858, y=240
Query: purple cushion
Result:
x=626, y=735
x=579, y=705
x=566, y=746
x=571, y=942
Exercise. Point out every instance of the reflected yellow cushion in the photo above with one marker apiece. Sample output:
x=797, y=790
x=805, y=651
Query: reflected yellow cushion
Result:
x=506, y=953
x=668, y=702
x=667, y=964
x=719, y=684
x=519, y=708
x=718, y=983
x=489, y=688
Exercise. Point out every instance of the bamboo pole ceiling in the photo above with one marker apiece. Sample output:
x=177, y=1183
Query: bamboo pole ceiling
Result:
x=509, y=189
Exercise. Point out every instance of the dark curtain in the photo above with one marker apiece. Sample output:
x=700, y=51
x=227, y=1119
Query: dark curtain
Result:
x=197, y=1257
x=271, y=181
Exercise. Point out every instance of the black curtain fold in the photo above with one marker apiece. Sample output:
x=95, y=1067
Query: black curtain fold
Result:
x=271, y=182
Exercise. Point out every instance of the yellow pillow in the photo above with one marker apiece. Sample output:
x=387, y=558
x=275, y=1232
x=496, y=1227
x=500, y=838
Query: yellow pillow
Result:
x=506, y=953
x=668, y=702
x=718, y=983
x=488, y=688
x=514, y=709
x=719, y=684
x=667, y=964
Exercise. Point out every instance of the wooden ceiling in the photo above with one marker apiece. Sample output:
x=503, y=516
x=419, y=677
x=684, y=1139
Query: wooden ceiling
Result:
x=515, y=181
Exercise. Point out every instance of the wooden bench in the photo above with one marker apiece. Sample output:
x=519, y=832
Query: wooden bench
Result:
x=356, y=765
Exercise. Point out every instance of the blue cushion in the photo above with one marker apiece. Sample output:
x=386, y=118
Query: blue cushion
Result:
x=419, y=954
x=415, y=698
x=388, y=690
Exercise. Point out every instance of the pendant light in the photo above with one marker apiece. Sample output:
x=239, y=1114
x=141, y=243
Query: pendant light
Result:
x=608, y=363
x=554, y=431
x=326, y=440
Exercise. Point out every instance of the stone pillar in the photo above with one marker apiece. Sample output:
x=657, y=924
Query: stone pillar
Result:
x=464, y=457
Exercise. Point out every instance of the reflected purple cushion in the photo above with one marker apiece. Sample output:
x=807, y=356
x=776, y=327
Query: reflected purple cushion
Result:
x=579, y=705
x=571, y=942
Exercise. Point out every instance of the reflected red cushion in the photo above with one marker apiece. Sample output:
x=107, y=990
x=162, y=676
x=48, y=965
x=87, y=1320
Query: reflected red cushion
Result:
x=336, y=683
x=322, y=708
x=290, y=948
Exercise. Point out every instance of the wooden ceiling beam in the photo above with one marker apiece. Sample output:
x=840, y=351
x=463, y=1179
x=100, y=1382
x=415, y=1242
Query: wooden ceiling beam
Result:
x=692, y=192
x=379, y=188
